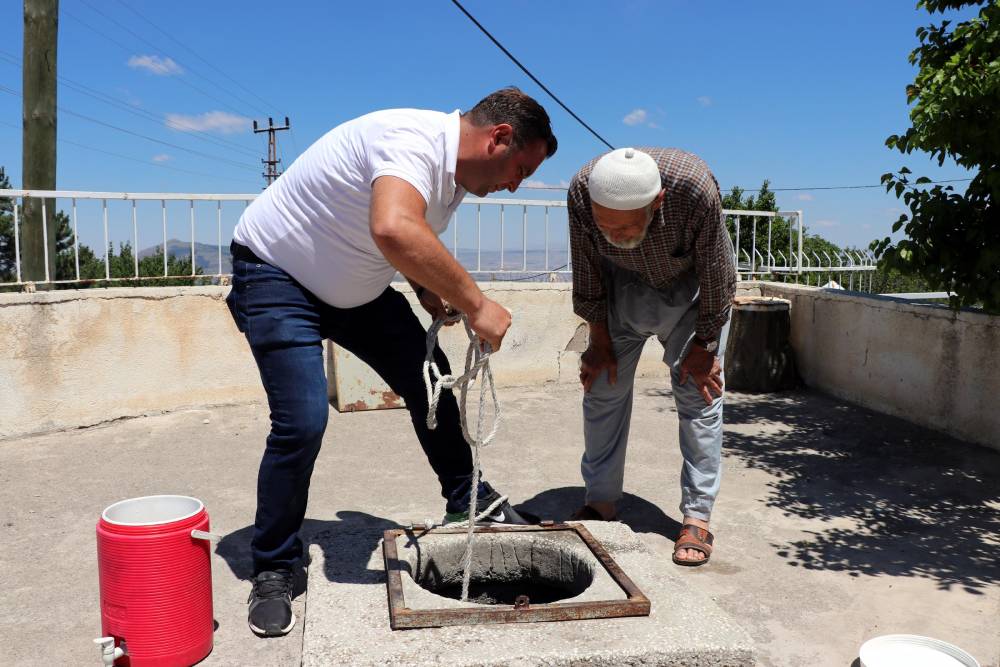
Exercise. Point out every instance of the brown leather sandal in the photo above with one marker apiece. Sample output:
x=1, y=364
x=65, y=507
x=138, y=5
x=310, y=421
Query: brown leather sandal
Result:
x=693, y=537
x=588, y=513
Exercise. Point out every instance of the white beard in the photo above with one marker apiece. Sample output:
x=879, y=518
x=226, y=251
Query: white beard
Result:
x=631, y=244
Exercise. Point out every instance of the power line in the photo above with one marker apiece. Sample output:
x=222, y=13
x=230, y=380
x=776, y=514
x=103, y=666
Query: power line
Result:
x=272, y=160
x=130, y=50
x=857, y=187
x=532, y=76
x=822, y=187
x=157, y=48
x=142, y=113
x=134, y=159
x=209, y=156
x=192, y=52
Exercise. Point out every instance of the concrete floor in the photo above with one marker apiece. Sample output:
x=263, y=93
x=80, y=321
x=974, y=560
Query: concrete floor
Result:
x=834, y=524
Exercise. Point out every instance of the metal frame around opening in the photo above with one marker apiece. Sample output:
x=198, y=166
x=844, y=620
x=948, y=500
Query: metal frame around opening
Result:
x=402, y=617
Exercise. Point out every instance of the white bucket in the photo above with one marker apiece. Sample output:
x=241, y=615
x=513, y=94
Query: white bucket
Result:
x=913, y=651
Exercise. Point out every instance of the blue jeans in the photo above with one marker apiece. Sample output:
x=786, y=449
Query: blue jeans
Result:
x=286, y=325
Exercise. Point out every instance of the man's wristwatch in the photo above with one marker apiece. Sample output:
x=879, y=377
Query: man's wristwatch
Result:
x=707, y=345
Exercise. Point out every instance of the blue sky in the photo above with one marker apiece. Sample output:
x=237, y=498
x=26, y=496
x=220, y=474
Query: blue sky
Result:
x=801, y=93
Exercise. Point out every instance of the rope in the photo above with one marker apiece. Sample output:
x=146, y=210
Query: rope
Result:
x=477, y=365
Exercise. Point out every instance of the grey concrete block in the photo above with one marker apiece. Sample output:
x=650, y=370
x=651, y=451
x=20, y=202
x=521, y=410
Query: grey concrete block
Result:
x=348, y=619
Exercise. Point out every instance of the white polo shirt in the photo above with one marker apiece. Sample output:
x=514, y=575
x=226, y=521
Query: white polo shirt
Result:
x=312, y=222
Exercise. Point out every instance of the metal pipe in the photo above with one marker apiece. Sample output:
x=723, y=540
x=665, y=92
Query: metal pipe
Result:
x=218, y=219
x=76, y=242
x=546, y=238
x=135, y=240
x=107, y=247
x=17, y=242
x=193, y=271
x=501, y=237
x=163, y=211
x=524, y=238
x=45, y=240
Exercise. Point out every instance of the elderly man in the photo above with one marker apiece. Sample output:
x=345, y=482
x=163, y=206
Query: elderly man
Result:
x=651, y=257
x=313, y=257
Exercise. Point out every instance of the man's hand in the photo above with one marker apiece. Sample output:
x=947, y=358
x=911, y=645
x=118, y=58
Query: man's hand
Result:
x=490, y=322
x=704, y=369
x=433, y=304
x=598, y=356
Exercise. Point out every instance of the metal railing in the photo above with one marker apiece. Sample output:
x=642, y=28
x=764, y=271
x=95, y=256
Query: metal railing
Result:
x=524, y=238
x=75, y=198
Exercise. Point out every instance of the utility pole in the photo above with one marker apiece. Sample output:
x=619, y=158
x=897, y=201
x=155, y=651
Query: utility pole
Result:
x=272, y=160
x=38, y=148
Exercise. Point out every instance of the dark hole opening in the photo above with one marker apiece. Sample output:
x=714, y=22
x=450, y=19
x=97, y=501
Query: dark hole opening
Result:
x=539, y=569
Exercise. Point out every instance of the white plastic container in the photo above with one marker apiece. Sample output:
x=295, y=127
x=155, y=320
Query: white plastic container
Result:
x=913, y=651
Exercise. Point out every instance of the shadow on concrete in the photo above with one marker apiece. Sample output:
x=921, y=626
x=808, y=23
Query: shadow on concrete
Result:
x=637, y=513
x=922, y=504
x=347, y=546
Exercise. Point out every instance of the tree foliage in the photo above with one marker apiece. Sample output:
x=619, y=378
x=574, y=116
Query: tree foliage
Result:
x=952, y=239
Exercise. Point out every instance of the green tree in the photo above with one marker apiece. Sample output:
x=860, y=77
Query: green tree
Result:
x=953, y=239
x=781, y=230
x=7, y=267
x=122, y=265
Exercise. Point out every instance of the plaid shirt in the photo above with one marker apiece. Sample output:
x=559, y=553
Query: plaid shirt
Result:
x=687, y=233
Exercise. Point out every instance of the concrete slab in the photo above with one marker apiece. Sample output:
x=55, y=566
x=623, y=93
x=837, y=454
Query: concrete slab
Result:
x=834, y=524
x=348, y=622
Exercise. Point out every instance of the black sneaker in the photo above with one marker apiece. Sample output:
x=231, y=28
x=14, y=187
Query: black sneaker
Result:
x=501, y=514
x=270, y=601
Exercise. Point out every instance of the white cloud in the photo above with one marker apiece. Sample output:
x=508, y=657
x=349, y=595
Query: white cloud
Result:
x=643, y=117
x=805, y=197
x=827, y=223
x=866, y=226
x=636, y=117
x=131, y=99
x=162, y=157
x=155, y=65
x=705, y=101
x=211, y=121
x=533, y=183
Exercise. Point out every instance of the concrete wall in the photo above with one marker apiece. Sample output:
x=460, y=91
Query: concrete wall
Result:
x=926, y=364
x=83, y=357
x=78, y=358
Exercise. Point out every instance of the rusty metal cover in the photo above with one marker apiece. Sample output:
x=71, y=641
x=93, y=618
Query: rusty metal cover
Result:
x=356, y=386
x=402, y=617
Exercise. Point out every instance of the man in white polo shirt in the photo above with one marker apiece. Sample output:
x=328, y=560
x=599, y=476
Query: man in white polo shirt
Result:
x=313, y=257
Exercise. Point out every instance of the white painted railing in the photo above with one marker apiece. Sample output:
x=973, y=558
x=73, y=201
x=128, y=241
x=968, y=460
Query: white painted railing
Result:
x=493, y=238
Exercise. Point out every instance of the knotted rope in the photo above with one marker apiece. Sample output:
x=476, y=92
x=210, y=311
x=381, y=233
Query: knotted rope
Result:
x=477, y=365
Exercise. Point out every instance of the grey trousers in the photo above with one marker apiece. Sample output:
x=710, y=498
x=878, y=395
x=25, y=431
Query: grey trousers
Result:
x=637, y=311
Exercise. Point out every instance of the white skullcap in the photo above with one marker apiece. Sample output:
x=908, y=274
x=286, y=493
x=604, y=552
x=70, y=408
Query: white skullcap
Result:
x=625, y=180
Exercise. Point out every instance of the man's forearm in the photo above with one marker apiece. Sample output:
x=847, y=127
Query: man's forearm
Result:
x=418, y=254
x=599, y=334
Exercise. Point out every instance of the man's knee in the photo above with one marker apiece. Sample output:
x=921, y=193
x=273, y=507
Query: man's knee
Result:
x=602, y=390
x=302, y=428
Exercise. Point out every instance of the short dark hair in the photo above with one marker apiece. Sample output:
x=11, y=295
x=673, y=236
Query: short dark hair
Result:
x=515, y=108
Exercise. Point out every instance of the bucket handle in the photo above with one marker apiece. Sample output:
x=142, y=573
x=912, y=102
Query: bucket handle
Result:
x=202, y=535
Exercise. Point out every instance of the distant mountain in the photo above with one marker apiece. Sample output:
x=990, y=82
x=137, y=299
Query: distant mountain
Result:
x=206, y=255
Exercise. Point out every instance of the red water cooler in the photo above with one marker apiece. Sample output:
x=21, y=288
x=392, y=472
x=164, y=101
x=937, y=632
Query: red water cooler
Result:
x=154, y=562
